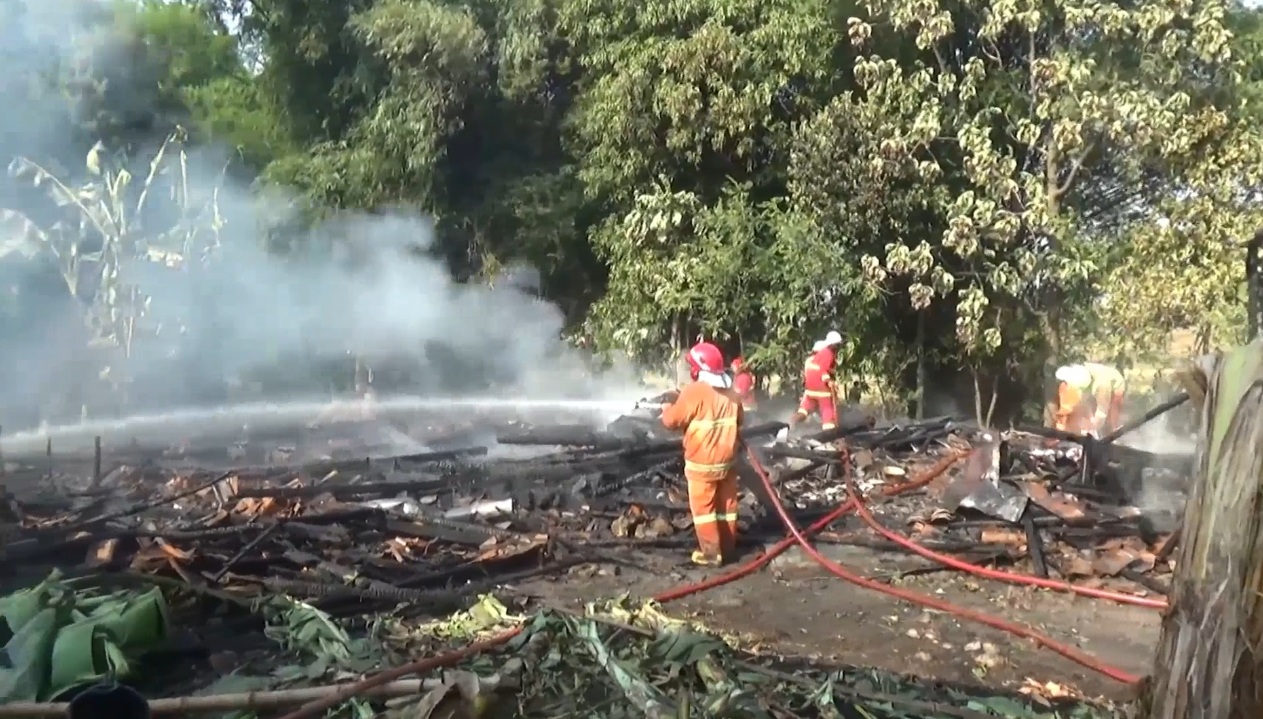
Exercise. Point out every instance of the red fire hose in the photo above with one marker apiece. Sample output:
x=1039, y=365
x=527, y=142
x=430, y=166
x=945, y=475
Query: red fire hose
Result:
x=318, y=707
x=1074, y=655
x=998, y=575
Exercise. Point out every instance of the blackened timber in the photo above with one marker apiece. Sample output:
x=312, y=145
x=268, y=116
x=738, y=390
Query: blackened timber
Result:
x=323, y=467
x=842, y=430
x=759, y=430
x=1050, y=433
x=446, y=530
x=445, y=455
x=1034, y=544
x=563, y=436
x=1147, y=417
x=426, y=483
x=808, y=454
x=903, y=435
x=628, y=448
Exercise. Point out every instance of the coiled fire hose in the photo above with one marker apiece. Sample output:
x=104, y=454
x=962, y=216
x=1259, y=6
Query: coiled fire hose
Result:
x=796, y=536
x=1074, y=655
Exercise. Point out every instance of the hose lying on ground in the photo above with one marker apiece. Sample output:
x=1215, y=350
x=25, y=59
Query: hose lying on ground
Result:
x=1074, y=655
x=318, y=707
x=996, y=574
x=797, y=536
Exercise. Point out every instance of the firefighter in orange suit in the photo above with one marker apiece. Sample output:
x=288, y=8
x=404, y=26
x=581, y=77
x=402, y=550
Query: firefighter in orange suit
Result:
x=819, y=391
x=1089, y=399
x=743, y=382
x=709, y=413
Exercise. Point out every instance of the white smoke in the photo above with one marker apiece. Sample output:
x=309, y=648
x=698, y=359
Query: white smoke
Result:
x=367, y=284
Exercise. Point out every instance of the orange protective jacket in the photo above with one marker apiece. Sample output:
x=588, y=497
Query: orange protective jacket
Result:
x=818, y=373
x=711, y=421
x=1078, y=407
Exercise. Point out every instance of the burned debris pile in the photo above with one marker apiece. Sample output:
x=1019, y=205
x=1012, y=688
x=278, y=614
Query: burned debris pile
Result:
x=344, y=531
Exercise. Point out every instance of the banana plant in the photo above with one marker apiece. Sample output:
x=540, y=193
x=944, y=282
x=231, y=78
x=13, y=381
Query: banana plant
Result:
x=101, y=235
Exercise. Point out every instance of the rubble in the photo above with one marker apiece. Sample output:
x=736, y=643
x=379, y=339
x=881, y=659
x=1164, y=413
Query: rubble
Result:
x=325, y=522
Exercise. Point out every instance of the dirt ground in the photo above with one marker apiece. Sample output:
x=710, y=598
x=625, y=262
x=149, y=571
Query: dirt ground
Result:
x=794, y=608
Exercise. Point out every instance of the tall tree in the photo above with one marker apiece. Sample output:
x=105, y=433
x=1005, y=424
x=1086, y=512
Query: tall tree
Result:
x=1030, y=104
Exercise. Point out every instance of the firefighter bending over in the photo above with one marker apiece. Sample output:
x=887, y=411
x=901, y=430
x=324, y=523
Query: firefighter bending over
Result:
x=1089, y=399
x=743, y=382
x=819, y=390
x=709, y=413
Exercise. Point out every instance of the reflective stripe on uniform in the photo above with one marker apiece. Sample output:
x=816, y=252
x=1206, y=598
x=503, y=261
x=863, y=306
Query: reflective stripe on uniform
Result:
x=721, y=467
x=812, y=365
x=714, y=517
x=816, y=394
x=828, y=425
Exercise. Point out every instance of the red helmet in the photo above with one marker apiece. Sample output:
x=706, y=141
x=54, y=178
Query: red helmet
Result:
x=705, y=357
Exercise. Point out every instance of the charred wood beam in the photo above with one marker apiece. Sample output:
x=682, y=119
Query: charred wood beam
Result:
x=1034, y=544
x=764, y=429
x=843, y=430
x=1146, y=581
x=361, y=464
x=1168, y=548
x=250, y=546
x=446, y=601
x=1051, y=433
x=563, y=436
x=444, y=529
x=341, y=491
x=902, y=434
x=815, y=456
x=1146, y=418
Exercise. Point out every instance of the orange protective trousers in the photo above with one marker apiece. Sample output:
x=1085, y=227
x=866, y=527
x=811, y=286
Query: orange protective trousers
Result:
x=714, y=507
x=822, y=402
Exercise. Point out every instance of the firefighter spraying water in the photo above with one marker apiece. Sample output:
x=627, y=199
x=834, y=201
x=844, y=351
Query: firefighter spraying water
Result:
x=710, y=414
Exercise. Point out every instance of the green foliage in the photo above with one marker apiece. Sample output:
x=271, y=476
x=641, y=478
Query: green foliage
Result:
x=613, y=662
x=104, y=228
x=978, y=186
x=56, y=638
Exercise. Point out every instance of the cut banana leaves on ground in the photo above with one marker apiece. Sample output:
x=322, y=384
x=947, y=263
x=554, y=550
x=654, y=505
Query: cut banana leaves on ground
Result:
x=56, y=637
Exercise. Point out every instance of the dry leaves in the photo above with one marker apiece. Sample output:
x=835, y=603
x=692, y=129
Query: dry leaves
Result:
x=404, y=549
x=156, y=554
x=1044, y=692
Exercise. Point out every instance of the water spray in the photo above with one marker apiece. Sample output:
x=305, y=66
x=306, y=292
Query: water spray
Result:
x=261, y=416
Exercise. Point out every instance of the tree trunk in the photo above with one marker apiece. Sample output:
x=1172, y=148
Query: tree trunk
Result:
x=921, y=366
x=679, y=342
x=1209, y=662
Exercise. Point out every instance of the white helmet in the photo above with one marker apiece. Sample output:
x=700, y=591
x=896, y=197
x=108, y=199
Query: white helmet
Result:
x=832, y=339
x=1075, y=375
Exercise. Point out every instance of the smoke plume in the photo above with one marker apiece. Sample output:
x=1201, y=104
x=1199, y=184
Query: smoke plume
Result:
x=224, y=313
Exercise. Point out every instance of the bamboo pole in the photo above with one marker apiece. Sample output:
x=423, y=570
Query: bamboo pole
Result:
x=254, y=701
x=1209, y=660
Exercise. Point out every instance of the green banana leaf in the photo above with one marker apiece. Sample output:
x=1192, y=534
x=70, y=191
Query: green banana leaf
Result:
x=56, y=639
